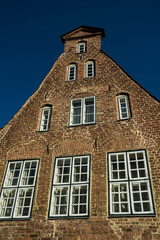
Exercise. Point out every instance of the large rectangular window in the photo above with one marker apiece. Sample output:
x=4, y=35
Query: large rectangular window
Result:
x=82, y=111
x=18, y=189
x=129, y=184
x=70, y=187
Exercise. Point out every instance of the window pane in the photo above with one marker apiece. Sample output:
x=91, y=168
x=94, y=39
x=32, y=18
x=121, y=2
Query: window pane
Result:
x=80, y=169
x=59, y=204
x=79, y=200
x=6, y=202
x=137, y=165
x=13, y=174
x=118, y=167
x=141, y=197
x=62, y=170
x=23, y=203
x=29, y=173
x=119, y=198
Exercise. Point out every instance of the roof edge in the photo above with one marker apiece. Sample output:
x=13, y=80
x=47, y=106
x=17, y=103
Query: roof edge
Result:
x=155, y=98
x=94, y=30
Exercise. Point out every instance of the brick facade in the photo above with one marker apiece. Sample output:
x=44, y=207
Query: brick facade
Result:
x=21, y=139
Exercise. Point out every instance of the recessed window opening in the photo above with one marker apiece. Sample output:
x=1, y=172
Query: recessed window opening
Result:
x=72, y=72
x=123, y=106
x=129, y=184
x=90, y=69
x=81, y=47
x=82, y=111
x=70, y=188
x=45, y=119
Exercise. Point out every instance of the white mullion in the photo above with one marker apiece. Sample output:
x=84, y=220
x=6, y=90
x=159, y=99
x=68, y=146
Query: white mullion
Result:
x=127, y=106
x=83, y=110
x=49, y=110
x=79, y=199
x=137, y=166
x=59, y=207
x=118, y=166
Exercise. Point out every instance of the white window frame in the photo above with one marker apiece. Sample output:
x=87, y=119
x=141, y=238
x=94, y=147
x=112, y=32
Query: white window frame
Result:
x=120, y=108
x=83, y=113
x=84, y=161
x=90, y=63
x=83, y=45
x=42, y=123
x=17, y=174
x=69, y=77
x=140, y=163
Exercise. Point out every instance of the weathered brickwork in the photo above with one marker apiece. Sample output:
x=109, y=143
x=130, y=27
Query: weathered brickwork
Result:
x=21, y=139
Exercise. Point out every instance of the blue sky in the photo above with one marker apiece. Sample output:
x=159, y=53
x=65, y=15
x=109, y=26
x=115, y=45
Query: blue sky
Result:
x=30, y=42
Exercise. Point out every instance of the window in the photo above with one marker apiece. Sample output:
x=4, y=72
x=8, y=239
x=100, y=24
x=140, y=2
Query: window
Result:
x=18, y=189
x=70, y=188
x=82, y=111
x=71, y=72
x=129, y=184
x=123, y=106
x=81, y=47
x=45, y=118
x=90, y=69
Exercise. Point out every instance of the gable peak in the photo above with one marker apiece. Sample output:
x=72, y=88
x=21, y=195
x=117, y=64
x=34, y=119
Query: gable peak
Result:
x=82, y=32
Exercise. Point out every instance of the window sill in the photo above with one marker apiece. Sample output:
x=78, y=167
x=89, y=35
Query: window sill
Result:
x=15, y=219
x=68, y=217
x=80, y=125
x=126, y=119
x=42, y=131
x=131, y=215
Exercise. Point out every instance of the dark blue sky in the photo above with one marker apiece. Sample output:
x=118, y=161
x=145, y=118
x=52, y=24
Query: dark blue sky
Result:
x=30, y=42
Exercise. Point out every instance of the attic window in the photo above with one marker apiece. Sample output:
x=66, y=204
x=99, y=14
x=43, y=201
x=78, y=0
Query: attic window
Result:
x=45, y=118
x=71, y=72
x=123, y=107
x=81, y=47
x=90, y=69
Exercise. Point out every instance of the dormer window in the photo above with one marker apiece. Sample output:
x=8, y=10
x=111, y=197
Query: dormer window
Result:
x=71, y=72
x=45, y=118
x=81, y=47
x=90, y=69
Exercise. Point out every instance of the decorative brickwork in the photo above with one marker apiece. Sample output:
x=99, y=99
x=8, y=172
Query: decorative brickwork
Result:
x=21, y=139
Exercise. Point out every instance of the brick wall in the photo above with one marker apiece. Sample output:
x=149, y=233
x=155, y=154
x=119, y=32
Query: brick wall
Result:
x=21, y=139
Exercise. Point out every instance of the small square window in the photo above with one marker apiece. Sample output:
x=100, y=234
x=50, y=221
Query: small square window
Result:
x=81, y=47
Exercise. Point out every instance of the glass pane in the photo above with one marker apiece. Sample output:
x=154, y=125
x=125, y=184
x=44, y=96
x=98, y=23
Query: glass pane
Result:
x=83, y=209
x=89, y=118
x=137, y=207
x=76, y=120
x=146, y=206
